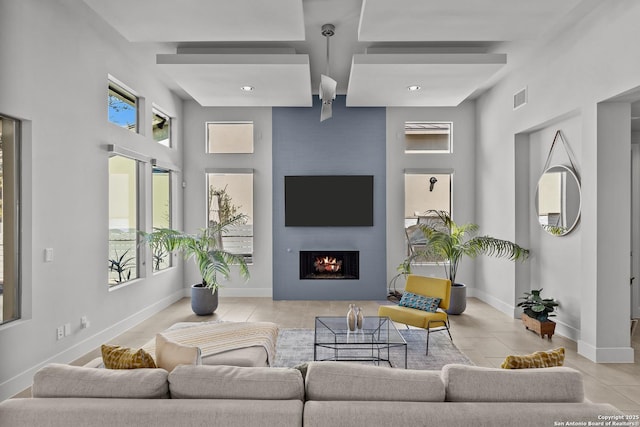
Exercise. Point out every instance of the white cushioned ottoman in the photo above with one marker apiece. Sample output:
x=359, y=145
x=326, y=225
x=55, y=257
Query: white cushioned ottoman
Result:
x=226, y=343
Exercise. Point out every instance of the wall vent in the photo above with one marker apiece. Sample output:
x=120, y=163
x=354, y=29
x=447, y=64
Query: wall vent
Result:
x=520, y=98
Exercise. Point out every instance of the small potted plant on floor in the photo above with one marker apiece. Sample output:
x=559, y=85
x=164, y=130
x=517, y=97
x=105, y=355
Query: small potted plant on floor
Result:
x=537, y=311
x=212, y=260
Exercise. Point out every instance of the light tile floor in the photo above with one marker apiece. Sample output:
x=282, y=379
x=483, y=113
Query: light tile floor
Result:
x=484, y=334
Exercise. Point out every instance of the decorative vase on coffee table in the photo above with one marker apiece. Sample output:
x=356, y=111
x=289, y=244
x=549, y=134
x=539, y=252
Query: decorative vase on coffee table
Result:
x=360, y=319
x=351, y=317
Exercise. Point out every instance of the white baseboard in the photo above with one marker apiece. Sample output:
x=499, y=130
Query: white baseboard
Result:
x=245, y=292
x=494, y=302
x=24, y=379
x=606, y=354
x=566, y=330
x=238, y=292
x=561, y=328
x=598, y=355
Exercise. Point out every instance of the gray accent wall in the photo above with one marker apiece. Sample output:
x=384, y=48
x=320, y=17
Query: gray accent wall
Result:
x=352, y=142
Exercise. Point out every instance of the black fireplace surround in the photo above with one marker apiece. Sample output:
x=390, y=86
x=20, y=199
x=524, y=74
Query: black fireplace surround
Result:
x=329, y=265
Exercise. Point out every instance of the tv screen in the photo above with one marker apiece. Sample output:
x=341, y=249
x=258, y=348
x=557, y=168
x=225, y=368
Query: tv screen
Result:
x=328, y=201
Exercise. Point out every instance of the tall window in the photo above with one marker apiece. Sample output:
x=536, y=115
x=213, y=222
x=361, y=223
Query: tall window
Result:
x=423, y=191
x=161, y=128
x=231, y=194
x=123, y=107
x=123, y=219
x=161, y=211
x=9, y=220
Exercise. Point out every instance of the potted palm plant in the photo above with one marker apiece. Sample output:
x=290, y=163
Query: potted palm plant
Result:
x=447, y=243
x=213, y=262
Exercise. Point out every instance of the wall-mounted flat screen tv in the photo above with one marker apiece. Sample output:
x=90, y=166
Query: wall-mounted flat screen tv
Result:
x=328, y=201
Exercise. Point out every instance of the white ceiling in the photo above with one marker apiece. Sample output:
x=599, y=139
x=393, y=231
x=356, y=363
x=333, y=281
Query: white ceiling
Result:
x=459, y=20
x=203, y=20
x=444, y=79
x=453, y=49
x=216, y=79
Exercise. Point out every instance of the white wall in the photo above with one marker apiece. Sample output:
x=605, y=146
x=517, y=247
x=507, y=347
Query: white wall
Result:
x=55, y=58
x=578, y=68
x=197, y=162
x=460, y=162
x=635, y=225
x=555, y=259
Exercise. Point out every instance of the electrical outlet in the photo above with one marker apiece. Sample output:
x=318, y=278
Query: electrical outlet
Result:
x=84, y=322
x=60, y=332
x=67, y=329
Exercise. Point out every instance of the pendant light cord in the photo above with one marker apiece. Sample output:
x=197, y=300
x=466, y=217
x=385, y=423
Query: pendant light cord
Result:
x=328, y=30
x=327, y=54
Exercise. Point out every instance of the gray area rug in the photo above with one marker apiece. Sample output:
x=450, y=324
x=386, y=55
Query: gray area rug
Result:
x=295, y=346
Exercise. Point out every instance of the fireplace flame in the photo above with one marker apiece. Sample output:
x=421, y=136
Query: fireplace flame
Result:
x=327, y=264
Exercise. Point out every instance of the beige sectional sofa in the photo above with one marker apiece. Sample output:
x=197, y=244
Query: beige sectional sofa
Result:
x=331, y=394
x=459, y=395
x=69, y=396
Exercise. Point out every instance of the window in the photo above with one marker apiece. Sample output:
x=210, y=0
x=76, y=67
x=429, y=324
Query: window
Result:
x=161, y=128
x=161, y=212
x=9, y=220
x=123, y=219
x=423, y=191
x=230, y=194
x=123, y=107
x=427, y=137
x=230, y=137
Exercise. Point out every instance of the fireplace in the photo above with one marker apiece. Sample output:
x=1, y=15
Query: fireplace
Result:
x=329, y=264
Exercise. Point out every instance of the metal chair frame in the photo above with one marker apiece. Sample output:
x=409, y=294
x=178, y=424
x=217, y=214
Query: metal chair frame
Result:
x=444, y=327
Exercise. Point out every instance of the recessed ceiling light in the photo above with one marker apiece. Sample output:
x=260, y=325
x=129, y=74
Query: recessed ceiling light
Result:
x=413, y=88
x=247, y=88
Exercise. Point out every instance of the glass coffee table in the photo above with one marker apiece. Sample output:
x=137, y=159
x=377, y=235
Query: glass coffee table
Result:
x=333, y=340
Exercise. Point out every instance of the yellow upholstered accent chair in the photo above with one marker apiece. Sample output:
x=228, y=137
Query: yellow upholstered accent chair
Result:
x=428, y=287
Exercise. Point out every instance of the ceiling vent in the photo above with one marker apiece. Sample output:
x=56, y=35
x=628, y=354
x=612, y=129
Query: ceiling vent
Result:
x=520, y=98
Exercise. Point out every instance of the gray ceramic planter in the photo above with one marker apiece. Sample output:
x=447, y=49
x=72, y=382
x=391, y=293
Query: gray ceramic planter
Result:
x=458, y=302
x=203, y=301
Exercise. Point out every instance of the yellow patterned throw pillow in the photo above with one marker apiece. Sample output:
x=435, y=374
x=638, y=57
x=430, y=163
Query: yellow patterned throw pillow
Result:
x=116, y=357
x=539, y=359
